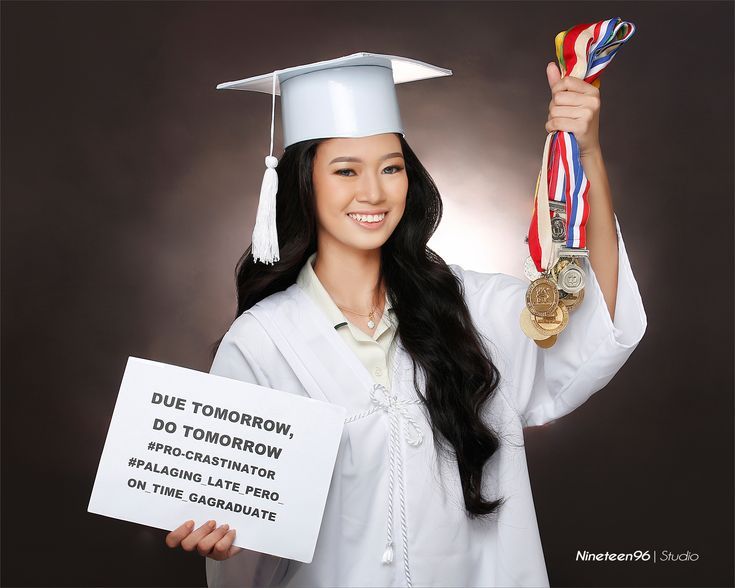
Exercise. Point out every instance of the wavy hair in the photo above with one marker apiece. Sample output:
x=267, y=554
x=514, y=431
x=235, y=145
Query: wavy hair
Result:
x=434, y=323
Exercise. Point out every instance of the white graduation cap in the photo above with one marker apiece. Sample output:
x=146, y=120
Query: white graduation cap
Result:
x=350, y=96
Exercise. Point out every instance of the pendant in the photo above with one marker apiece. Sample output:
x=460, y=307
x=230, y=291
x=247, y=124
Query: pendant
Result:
x=371, y=323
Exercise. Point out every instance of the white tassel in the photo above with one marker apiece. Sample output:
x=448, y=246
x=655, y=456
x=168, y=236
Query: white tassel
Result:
x=388, y=554
x=265, y=234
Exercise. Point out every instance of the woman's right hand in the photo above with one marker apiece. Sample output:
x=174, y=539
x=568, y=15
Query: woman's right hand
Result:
x=209, y=540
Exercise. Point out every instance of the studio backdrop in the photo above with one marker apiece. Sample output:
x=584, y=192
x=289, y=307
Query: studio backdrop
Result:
x=129, y=191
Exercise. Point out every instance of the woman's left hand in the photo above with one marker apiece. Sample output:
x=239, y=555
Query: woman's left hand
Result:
x=574, y=108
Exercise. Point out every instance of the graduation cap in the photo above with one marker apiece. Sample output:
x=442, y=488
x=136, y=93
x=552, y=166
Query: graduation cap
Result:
x=350, y=96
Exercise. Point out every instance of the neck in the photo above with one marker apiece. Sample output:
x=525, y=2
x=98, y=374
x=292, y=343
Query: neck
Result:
x=350, y=276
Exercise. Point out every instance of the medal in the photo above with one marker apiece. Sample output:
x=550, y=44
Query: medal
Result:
x=571, y=278
x=558, y=266
x=542, y=297
x=545, y=343
x=558, y=229
x=528, y=326
x=571, y=301
x=552, y=325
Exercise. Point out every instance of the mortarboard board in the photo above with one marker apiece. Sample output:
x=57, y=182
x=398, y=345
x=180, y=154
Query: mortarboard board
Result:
x=350, y=96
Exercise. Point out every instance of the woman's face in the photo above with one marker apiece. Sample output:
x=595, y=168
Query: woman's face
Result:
x=363, y=176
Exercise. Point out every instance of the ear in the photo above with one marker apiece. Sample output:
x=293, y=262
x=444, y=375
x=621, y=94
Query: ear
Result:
x=552, y=74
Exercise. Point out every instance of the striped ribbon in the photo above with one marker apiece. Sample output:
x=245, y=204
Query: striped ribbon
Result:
x=583, y=52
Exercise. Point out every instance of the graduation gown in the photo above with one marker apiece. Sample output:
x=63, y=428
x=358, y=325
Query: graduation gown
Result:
x=394, y=488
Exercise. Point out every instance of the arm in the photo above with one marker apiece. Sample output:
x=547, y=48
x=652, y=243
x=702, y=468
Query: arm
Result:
x=575, y=108
x=601, y=232
x=543, y=385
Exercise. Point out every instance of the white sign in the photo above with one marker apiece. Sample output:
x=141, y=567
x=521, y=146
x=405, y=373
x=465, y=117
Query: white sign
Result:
x=185, y=444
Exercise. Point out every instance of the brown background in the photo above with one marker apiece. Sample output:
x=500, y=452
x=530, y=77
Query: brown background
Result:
x=129, y=187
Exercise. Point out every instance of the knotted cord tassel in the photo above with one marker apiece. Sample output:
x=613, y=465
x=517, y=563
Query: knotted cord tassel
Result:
x=265, y=234
x=388, y=554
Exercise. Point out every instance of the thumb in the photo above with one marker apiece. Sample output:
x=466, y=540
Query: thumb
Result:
x=552, y=74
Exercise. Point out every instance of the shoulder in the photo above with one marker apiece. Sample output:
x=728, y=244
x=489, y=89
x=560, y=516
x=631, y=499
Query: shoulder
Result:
x=495, y=301
x=248, y=330
x=481, y=288
x=247, y=351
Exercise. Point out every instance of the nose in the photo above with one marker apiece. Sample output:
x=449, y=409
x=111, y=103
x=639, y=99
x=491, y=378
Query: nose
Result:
x=369, y=190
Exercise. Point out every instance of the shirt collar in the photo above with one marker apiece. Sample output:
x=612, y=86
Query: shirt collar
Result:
x=309, y=282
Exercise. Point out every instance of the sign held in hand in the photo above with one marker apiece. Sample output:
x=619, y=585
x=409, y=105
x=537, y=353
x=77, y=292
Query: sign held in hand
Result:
x=185, y=444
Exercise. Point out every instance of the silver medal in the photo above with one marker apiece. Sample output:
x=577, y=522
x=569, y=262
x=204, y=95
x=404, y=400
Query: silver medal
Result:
x=571, y=278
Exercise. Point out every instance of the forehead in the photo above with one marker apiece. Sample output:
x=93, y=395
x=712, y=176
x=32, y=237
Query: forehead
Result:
x=365, y=146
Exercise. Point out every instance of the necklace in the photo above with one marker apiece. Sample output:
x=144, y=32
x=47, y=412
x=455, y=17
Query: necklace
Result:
x=370, y=315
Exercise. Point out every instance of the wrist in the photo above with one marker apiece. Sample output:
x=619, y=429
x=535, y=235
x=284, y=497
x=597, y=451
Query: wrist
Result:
x=592, y=154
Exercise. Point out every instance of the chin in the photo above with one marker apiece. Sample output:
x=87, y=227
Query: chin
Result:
x=365, y=244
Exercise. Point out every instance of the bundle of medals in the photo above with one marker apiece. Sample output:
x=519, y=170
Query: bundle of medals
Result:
x=557, y=237
x=555, y=292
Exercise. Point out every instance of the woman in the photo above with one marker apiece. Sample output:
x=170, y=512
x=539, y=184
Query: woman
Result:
x=379, y=311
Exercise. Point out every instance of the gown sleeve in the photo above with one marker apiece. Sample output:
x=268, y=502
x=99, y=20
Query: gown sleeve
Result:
x=246, y=568
x=542, y=385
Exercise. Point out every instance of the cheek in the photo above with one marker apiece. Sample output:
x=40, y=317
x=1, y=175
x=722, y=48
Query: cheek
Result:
x=398, y=193
x=331, y=197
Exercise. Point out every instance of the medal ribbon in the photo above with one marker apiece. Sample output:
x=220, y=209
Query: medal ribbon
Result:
x=583, y=52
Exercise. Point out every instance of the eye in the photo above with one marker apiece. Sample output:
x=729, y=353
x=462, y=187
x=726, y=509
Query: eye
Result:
x=396, y=167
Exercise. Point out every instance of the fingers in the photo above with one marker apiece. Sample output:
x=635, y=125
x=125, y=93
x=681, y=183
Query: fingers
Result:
x=190, y=542
x=224, y=549
x=207, y=540
x=574, y=84
x=205, y=545
x=568, y=112
x=574, y=99
x=552, y=74
x=173, y=539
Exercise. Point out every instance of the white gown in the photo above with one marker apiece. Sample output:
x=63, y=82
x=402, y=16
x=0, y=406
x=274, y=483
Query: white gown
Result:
x=285, y=342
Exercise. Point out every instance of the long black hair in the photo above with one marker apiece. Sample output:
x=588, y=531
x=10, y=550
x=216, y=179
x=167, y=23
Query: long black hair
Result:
x=434, y=323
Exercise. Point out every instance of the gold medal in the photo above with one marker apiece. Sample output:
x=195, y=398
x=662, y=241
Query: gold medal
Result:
x=542, y=297
x=552, y=325
x=529, y=328
x=572, y=301
x=545, y=343
x=558, y=266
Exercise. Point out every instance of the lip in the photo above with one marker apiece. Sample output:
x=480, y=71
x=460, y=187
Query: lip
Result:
x=367, y=211
x=369, y=226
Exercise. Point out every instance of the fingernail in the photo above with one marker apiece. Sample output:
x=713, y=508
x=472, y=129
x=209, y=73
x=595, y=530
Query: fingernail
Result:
x=189, y=524
x=224, y=527
x=211, y=524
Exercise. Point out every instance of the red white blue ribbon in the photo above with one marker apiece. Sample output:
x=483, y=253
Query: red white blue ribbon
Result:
x=583, y=51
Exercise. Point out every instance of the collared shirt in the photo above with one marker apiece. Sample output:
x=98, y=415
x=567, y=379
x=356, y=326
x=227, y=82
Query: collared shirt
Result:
x=376, y=352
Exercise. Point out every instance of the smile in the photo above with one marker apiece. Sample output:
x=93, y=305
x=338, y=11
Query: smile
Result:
x=369, y=221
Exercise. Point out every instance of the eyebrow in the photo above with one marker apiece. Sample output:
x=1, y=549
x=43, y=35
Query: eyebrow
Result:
x=358, y=160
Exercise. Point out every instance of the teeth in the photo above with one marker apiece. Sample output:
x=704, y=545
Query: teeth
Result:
x=368, y=218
